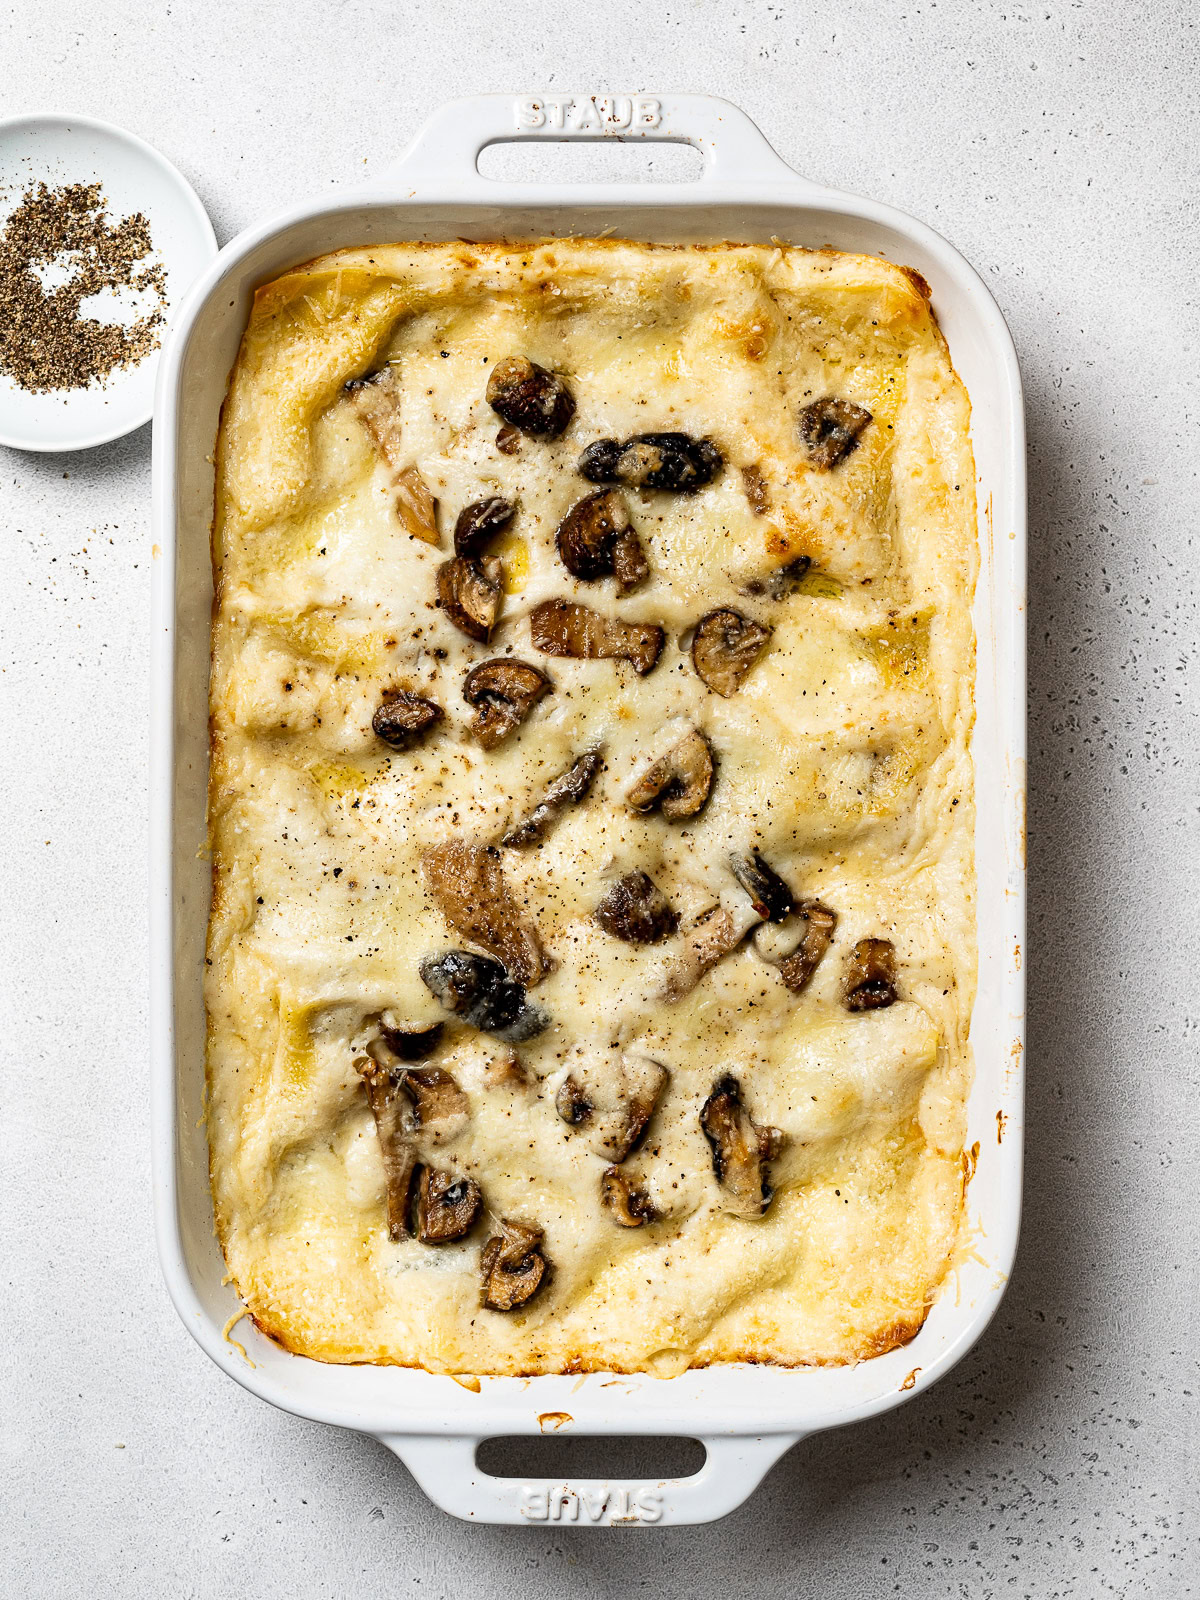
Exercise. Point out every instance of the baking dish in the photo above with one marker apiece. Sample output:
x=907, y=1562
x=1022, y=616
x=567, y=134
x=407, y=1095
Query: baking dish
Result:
x=746, y=1416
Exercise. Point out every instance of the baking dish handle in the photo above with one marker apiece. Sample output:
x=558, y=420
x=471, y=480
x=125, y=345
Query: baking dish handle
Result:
x=445, y=1468
x=444, y=155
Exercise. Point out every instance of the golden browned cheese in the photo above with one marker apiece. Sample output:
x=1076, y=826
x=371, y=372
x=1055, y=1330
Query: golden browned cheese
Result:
x=842, y=757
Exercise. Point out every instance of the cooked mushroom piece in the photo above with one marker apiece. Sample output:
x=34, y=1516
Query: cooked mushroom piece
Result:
x=480, y=992
x=740, y=1149
x=416, y=505
x=871, y=975
x=466, y=881
x=587, y=534
x=469, y=593
x=758, y=496
x=395, y=1125
x=508, y=439
x=479, y=523
x=679, y=782
x=610, y=1096
x=529, y=397
x=726, y=645
x=636, y=910
x=830, y=429
x=675, y=462
x=444, y=1207
x=571, y=1102
x=797, y=969
x=377, y=400
x=561, y=628
x=512, y=1265
x=630, y=566
x=503, y=693
x=768, y=893
x=629, y=1206
x=714, y=935
x=402, y=718
x=568, y=789
x=440, y=1108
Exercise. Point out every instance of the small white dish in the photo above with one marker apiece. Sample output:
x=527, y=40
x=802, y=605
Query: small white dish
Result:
x=59, y=149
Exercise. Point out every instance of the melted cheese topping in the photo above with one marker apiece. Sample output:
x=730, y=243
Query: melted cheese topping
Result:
x=843, y=758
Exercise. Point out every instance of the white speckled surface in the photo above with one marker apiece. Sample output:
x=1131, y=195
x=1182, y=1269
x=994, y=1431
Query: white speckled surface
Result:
x=1057, y=146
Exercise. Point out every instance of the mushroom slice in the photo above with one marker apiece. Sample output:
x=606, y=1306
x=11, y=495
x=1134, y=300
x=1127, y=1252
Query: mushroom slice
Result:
x=679, y=782
x=469, y=593
x=479, y=523
x=377, y=401
x=675, y=462
x=611, y=1097
x=830, y=429
x=740, y=1149
x=726, y=645
x=561, y=628
x=508, y=440
x=503, y=692
x=636, y=910
x=568, y=789
x=529, y=397
x=797, y=969
x=781, y=581
x=630, y=566
x=629, y=1206
x=402, y=718
x=871, y=975
x=758, y=496
x=512, y=1265
x=481, y=993
x=712, y=936
x=467, y=883
x=393, y=1046
x=395, y=1125
x=588, y=532
x=769, y=895
x=444, y=1207
x=440, y=1108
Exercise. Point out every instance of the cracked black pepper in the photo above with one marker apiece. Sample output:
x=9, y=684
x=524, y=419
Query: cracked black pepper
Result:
x=45, y=342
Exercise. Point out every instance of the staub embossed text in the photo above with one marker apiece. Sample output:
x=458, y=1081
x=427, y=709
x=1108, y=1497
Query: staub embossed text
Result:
x=583, y=1505
x=593, y=113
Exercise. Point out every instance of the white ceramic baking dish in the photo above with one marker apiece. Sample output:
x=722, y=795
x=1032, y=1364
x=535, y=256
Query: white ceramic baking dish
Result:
x=746, y=1416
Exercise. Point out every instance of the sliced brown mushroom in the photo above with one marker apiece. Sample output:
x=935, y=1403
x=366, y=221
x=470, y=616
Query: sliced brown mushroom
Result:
x=871, y=975
x=679, y=782
x=714, y=935
x=758, y=497
x=529, y=397
x=627, y=1204
x=444, y=1207
x=479, y=523
x=726, y=645
x=395, y=1125
x=480, y=993
x=830, y=429
x=503, y=693
x=402, y=718
x=797, y=969
x=611, y=1095
x=769, y=894
x=440, y=1108
x=596, y=539
x=561, y=628
x=676, y=462
x=377, y=401
x=393, y=1046
x=512, y=1265
x=508, y=440
x=467, y=883
x=740, y=1149
x=568, y=789
x=636, y=910
x=469, y=593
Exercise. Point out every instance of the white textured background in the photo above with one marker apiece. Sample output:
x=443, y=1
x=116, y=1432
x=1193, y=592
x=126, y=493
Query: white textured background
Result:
x=1056, y=145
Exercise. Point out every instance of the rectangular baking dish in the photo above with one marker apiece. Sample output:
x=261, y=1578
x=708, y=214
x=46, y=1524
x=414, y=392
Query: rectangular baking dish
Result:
x=746, y=1416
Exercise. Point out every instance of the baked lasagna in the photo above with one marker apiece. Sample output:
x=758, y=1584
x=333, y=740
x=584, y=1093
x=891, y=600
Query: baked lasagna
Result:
x=592, y=945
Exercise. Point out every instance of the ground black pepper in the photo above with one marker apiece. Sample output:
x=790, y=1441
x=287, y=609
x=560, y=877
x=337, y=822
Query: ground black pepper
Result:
x=44, y=341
